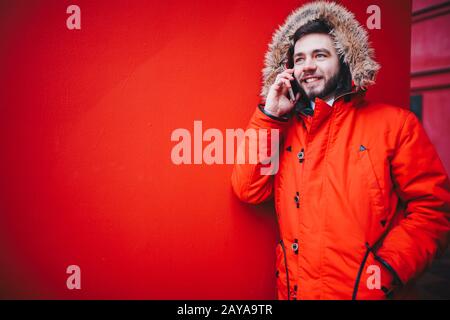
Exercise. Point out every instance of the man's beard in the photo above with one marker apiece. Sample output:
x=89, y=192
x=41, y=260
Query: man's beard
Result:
x=329, y=87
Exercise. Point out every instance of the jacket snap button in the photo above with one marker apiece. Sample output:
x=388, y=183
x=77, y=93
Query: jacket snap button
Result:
x=297, y=199
x=295, y=246
x=301, y=155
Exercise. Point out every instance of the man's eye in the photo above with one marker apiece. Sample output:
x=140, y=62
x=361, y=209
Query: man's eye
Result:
x=320, y=56
x=299, y=60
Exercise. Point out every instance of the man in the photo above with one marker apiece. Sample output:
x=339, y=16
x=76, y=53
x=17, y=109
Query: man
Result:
x=361, y=196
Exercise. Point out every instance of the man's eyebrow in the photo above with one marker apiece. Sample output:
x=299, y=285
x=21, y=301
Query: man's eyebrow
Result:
x=314, y=51
x=322, y=50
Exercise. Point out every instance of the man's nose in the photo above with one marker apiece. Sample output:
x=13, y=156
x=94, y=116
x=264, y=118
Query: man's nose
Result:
x=309, y=65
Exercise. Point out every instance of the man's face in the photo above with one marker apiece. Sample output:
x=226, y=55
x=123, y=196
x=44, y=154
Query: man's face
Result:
x=316, y=65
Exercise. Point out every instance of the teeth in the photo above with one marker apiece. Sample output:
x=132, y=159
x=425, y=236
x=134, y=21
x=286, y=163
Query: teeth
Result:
x=310, y=80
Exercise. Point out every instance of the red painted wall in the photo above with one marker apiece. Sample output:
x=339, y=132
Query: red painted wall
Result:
x=430, y=67
x=86, y=120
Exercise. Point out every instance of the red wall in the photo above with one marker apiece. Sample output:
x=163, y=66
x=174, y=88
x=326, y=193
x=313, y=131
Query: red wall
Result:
x=86, y=120
x=430, y=67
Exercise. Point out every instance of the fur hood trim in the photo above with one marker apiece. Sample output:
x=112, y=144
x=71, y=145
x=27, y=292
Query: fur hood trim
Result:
x=350, y=39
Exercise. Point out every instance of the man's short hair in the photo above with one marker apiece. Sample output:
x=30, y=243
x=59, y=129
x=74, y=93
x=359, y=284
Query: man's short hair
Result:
x=315, y=26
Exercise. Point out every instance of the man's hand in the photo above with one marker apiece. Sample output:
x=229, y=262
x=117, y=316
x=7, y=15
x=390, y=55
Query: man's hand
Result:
x=278, y=102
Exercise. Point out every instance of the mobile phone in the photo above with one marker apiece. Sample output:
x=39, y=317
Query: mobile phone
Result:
x=294, y=89
x=303, y=101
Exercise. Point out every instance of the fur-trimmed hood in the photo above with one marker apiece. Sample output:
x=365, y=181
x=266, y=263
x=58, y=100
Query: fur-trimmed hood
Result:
x=350, y=39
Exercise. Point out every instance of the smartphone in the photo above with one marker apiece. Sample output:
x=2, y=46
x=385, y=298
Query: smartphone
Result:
x=303, y=102
x=294, y=89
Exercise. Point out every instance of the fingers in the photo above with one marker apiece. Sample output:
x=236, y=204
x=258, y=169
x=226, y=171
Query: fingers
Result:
x=286, y=74
x=289, y=70
x=282, y=83
x=284, y=78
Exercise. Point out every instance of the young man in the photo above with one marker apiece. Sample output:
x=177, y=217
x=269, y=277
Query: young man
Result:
x=362, y=199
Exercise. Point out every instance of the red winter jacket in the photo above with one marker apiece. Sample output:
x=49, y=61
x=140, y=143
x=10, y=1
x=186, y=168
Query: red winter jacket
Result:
x=359, y=187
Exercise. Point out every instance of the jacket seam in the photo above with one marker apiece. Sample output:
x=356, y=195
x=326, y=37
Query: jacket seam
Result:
x=299, y=185
x=400, y=134
x=286, y=269
x=325, y=181
x=280, y=119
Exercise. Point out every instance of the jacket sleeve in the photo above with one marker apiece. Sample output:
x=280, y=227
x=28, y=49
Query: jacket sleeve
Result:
x=248, y=183
x=423, y=184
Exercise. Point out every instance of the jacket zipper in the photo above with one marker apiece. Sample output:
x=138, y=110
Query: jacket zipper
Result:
x=361, y=268
x=287, y=270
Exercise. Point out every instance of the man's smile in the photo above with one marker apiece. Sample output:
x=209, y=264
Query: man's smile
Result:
x=311, y=79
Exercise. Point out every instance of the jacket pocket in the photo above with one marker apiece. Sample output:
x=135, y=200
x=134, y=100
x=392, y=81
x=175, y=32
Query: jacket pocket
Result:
x=376, y=279
x=371, y=181
x=282, y=273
